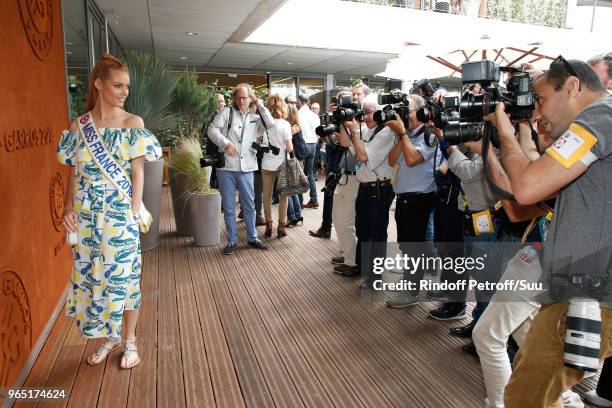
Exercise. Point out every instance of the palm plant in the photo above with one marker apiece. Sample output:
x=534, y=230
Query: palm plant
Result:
x=152, y=90
x=193, y=102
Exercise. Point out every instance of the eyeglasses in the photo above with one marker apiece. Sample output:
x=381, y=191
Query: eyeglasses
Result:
x=292, y=103
x=570, y=70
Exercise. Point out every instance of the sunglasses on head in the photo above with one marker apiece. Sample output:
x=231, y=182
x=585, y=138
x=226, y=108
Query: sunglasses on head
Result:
x=568, y=68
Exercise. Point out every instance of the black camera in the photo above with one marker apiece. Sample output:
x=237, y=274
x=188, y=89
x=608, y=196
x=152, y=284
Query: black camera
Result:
x=265, y=148
x=439, y=111
x=518, y=99
x=347, y=110
x=215, y=160
x=328, y=125
x=396, y=103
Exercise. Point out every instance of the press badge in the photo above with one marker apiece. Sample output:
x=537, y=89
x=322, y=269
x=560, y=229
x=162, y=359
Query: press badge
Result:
x=443, y=167
x=483, y=223
x=574, y=145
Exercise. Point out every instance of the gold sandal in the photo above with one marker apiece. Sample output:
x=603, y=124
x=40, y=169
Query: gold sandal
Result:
x=130, y=350
x=103, y=351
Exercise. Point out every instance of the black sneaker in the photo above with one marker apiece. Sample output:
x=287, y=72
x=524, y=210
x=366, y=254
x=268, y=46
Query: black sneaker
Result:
x=229, y=248
x=448, y=311
x=258, y=245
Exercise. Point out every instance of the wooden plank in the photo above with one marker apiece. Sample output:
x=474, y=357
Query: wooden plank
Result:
x=280, y=383
x=373, y=321
x=198, y=386
x=143, y=379
x=226, y=387
x=294, y=349
x=48, y=355
x=65, y=368
x=170, y=383
x=252, y=382
x=87, y=384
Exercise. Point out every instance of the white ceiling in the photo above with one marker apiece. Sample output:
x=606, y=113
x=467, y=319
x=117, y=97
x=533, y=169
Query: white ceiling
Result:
x=160, y=26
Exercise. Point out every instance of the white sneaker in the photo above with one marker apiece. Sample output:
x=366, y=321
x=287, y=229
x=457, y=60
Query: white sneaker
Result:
x=402, y=300
x=593, y=398
x=571, y=400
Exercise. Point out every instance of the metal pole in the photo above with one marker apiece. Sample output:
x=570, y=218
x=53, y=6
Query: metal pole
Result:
x=106, y=33
x=593, y=15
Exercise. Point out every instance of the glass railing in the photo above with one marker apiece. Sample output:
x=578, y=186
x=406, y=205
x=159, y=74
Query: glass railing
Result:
x=550, y=13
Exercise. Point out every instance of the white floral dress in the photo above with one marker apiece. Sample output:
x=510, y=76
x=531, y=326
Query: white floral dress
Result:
x=105, y=278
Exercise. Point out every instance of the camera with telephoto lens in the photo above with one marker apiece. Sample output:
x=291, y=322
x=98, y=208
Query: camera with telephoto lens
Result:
x=518, y=98
x=396, y=103
x=260, y=148
x=347, y=110
x=328, y=125
x=440, y=111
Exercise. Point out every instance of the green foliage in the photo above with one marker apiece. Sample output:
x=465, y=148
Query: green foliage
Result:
x=194, y=103
x=540, y=12
x=152, y=90
x=185, y=160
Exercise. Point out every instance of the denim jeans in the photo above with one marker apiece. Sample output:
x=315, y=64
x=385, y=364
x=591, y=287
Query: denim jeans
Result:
x=309, y=168
x=229, y=181
x=294, y=211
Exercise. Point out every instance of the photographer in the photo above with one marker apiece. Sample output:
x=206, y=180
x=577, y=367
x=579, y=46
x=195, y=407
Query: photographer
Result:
x=334, y=155
x=414, y=185
x=571, y=98
x=375, y=192
x=343, y=210
x=234, y=130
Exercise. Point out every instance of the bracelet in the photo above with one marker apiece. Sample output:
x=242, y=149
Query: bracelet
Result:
x=404, y=133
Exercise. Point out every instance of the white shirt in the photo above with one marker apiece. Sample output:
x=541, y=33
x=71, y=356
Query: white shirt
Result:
x=377, y=149
x=246, y=159
x=277, y=136
x=308, y=123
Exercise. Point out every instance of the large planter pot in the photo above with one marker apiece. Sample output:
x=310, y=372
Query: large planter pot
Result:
x=166, y=157
x=205, y=209
x=180, y=195
x=151, y=197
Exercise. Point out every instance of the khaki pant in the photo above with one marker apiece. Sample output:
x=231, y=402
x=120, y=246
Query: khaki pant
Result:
x=268, y=183
x=539, y=376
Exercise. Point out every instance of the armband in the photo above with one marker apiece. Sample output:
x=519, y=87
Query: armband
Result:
x=573, y=146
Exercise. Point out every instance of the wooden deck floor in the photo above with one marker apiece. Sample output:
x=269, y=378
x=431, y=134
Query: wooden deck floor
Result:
x=274, y=329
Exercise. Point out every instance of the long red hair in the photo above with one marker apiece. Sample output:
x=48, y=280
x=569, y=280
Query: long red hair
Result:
x=102, y=71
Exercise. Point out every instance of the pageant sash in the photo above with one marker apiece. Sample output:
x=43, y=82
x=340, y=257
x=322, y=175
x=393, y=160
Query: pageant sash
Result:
x=109, y=166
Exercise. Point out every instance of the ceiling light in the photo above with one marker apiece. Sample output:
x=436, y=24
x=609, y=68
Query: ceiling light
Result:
x=192, y=33
x=289, y=63
x=182, y=58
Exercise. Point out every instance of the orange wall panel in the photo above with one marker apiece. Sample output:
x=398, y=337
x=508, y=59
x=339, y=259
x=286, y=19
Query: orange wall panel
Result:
x=35, y=262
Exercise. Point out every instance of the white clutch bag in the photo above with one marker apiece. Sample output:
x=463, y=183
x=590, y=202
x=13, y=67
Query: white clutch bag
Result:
x=145, y=219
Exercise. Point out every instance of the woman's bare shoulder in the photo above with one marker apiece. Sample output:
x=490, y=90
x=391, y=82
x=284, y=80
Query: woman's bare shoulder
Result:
x=73, y=126
x=133, y=122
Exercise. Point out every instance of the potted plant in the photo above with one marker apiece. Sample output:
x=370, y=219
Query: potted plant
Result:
x=151, y=95
x=193, y=104
x=204, y=203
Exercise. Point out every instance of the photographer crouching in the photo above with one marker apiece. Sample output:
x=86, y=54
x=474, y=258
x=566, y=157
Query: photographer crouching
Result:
x=234, y=131
x=576, y=257
x=375, y=192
